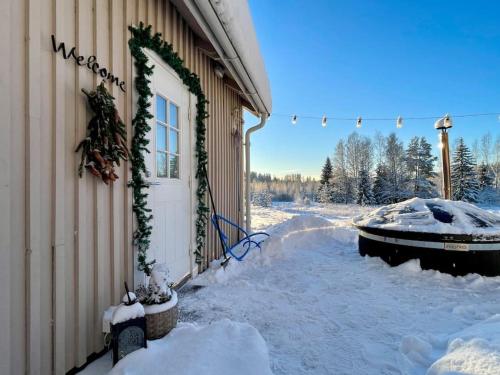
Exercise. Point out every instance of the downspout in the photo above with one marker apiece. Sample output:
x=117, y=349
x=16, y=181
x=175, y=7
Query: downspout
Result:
x=260, y=125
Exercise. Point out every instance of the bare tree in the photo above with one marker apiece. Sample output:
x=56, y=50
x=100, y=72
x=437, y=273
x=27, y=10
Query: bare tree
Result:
x=476, y=153
x=485, y=148
x=354, y=148
x=366, y=155
x=379, y=144
x=342, y=186
x=396, y=169
x=496, y=162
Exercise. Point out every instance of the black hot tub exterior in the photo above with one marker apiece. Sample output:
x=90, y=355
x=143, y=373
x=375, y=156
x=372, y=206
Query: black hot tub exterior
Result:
x=456, y=254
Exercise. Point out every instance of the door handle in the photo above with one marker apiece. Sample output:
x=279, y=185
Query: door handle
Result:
x=153, y=183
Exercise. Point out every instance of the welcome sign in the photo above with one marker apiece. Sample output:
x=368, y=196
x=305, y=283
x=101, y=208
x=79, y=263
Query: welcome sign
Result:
x=89, y=62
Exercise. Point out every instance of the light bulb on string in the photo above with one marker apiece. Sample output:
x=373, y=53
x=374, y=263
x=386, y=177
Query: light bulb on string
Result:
x=399, y=122
x=294, y=119
x=323, y=121
x=358, y=122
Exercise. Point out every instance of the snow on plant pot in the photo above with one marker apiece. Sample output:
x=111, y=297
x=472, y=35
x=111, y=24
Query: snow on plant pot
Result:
x=160, y=304
x=453, y=237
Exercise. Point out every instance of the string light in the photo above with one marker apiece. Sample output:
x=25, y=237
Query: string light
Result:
x=444, y=121
x=358, y=122
x=399, y=122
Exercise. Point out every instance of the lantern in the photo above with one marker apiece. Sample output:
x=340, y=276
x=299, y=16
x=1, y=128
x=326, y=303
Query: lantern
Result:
x=399, y=122
x=128, y=327
x=358, y=122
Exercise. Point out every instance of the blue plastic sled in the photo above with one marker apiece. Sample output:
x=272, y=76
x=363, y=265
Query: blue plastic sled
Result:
x=248, y=242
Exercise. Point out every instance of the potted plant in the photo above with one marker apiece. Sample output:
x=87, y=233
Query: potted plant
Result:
x=160, y=303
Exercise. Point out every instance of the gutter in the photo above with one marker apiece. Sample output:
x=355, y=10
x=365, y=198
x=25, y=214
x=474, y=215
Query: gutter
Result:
x=248, y=216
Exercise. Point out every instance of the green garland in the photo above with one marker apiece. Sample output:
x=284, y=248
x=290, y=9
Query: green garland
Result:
x=143, y=38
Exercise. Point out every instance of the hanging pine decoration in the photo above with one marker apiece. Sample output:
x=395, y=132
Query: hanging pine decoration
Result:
x=106, y=141
x=143, y=38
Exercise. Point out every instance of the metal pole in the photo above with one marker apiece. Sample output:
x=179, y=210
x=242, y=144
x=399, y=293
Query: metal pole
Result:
x=446, y=167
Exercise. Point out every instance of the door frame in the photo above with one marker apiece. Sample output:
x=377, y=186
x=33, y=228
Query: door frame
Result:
x=156, y=60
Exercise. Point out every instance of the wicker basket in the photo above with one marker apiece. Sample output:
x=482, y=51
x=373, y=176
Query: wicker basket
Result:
x=158, y=324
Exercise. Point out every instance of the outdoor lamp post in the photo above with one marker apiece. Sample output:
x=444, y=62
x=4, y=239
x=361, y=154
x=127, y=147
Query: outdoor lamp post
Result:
x=443, y=124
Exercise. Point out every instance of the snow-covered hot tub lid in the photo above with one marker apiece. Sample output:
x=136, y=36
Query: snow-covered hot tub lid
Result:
x=437, y=218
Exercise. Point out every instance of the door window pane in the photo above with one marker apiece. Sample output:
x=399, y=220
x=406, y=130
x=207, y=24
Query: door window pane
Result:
x=174, y=166
x=173, y=116
x=161, y=109
x=161, y=137
x=167, y=138
x=174, y=142
x=161, y=164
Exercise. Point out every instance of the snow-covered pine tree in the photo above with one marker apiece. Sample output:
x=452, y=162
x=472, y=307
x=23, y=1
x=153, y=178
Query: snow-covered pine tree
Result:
x=381, y=193
x=262, y=198
x=464, y=183
x=325, y=193
x=486, y=181
x=326, y=172
x=420, y=166
x=364, y=190
x=325, y=184
x=485, y=177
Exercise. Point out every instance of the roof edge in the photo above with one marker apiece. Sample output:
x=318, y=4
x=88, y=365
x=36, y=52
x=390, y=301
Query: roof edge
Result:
x=229, y=27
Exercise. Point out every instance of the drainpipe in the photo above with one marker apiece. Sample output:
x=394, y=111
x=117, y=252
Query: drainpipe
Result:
x=260, y=125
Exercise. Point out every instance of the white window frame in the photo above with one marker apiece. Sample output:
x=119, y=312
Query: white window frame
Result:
x=168, y=128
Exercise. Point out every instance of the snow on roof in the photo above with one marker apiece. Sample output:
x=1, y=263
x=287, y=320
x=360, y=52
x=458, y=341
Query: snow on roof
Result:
x=228, y=26
x=433, y=216
x=237, y=21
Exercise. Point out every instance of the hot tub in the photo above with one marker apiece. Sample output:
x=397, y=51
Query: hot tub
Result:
x=453, y=237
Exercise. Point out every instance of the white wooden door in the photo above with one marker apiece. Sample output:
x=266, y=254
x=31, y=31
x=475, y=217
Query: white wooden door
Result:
x=170, y=165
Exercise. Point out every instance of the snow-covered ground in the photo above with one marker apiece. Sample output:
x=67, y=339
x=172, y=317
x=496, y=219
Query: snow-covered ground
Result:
x=320, y=308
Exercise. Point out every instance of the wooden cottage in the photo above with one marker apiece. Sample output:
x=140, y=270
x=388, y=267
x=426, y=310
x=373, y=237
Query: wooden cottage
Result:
x=66, y=243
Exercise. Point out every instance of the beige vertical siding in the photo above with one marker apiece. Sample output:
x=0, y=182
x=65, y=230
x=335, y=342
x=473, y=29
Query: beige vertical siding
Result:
x=65, y=242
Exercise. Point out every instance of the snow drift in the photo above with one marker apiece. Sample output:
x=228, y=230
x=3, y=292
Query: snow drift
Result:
x=223, y=348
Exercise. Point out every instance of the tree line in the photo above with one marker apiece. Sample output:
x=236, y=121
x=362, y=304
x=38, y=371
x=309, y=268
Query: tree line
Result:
x=381, y=170
x=291, y=188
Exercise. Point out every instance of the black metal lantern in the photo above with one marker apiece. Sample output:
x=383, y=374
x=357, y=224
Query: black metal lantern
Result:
x=130, y=335
x=127, y=337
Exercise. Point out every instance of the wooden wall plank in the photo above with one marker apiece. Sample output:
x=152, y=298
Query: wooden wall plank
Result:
x=116, y=21
x=18, y=178
x=46, y=181
x=102, y=202
x=6, y=363
x=59, y=198
x=83, y=195
x=129, y=256
x=66, y=253
x=33, y=197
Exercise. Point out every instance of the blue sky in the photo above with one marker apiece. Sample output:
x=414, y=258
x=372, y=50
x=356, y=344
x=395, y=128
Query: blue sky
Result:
x=372, y=59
